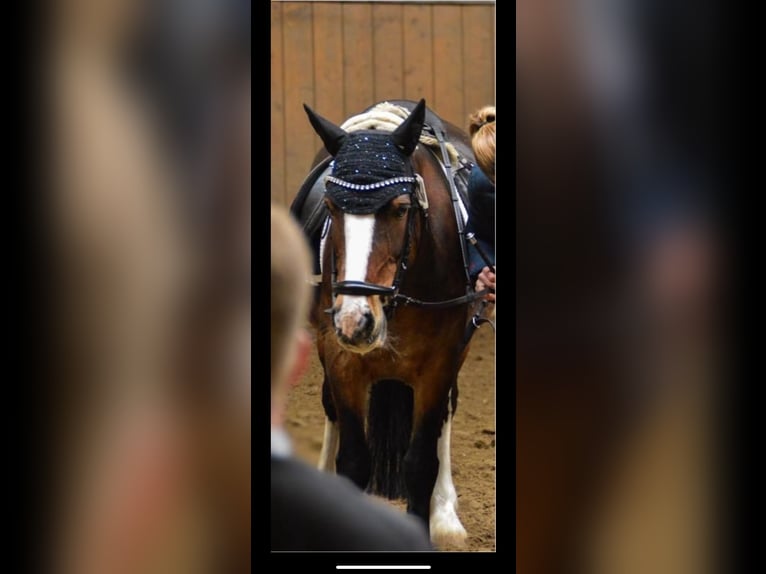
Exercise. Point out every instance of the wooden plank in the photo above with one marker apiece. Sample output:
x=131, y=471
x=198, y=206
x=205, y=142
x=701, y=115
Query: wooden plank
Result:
x=448, y=63
x=328, y=64
x=277, y=108
x=342, y=57
x=357, y=58
x=299, y=89
x=478, y=57
x=418, y=53
x=388, y=52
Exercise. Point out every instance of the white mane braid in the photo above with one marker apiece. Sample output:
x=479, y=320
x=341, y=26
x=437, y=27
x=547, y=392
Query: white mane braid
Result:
x=387, y=116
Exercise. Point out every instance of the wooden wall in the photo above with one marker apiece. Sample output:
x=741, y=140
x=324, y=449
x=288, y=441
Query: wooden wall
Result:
x=342, y=57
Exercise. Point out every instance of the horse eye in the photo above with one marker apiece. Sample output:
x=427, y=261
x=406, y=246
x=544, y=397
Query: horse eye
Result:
x=402, y=210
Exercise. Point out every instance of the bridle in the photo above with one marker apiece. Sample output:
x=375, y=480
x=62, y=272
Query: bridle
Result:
x=391, y=295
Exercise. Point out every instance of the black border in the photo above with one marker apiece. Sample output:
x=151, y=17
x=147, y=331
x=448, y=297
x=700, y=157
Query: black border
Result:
x=26, y=476
x=736, y=65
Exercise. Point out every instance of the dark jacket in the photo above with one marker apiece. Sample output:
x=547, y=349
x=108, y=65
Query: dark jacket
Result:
x=316, y=511
x=481, y=219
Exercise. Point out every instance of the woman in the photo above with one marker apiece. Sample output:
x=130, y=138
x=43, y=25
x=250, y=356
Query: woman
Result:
x=481, y=194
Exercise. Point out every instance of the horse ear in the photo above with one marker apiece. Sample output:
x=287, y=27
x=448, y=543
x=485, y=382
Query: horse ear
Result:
x=406, y=136
x=331, y=135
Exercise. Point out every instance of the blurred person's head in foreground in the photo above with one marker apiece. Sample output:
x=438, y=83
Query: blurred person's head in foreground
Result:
x=290, y=298
x=140, y=483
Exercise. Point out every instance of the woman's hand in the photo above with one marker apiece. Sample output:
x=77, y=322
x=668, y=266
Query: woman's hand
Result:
x=486, y=280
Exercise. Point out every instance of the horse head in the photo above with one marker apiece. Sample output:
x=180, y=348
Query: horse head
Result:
x=370, y=195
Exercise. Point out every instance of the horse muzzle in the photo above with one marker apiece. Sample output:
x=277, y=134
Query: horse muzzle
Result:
x=357, y=328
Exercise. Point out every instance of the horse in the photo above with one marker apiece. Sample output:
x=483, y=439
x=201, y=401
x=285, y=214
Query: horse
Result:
x=394, y=307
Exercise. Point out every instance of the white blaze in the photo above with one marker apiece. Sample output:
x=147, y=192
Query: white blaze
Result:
x=359, y=230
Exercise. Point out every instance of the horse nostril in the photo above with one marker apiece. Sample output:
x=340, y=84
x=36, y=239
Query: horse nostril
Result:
x=367, y=322
x=354, y=328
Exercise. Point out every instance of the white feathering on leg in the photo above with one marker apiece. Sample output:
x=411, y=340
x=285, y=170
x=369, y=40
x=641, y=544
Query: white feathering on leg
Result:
x=444, y=523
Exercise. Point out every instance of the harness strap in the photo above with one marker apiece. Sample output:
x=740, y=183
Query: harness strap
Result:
x=449, y=175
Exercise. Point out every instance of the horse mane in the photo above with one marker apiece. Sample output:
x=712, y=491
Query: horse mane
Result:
x=388, y=116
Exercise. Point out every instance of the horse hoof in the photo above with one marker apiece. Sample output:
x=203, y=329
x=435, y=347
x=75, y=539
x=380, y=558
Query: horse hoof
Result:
x=446, y=531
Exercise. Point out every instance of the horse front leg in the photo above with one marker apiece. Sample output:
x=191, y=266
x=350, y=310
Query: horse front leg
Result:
x=421, y=464
x=353, y=454
x=331, y=431
x=444, y=522
x=428, y=475
x=349, y=399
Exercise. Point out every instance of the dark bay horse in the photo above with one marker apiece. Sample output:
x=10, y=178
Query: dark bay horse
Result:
x=393, y=306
